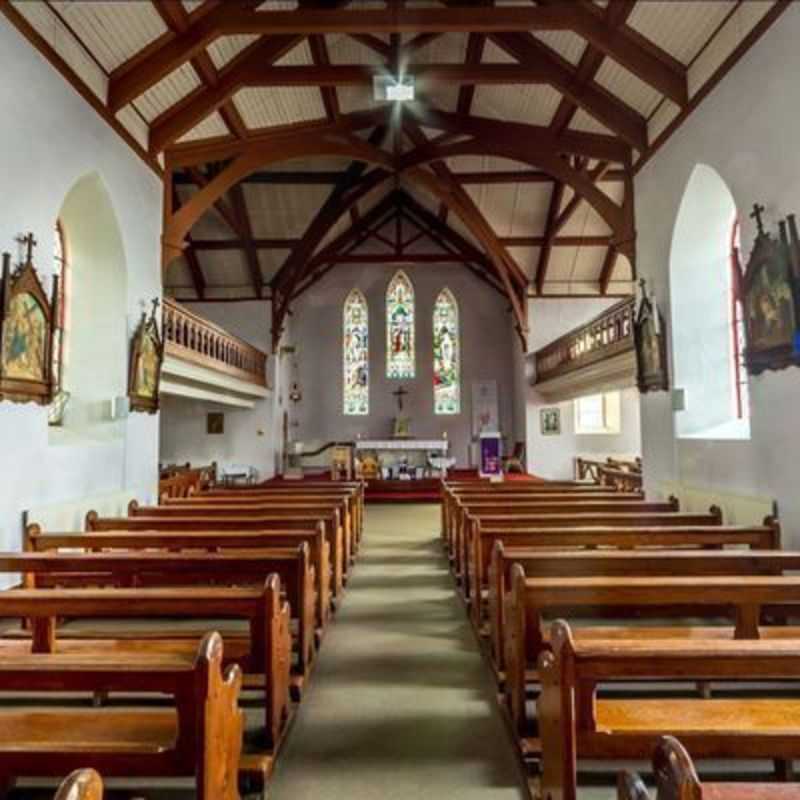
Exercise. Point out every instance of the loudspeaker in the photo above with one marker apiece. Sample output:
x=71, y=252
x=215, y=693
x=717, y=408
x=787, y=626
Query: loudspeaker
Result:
x=120, y=407
x=679, y=399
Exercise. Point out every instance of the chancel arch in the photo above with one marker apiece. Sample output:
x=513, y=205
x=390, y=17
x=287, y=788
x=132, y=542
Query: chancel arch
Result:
x=703, y=302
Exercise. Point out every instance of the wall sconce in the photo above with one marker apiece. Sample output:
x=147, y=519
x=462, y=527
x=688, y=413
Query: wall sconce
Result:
x=295, y=395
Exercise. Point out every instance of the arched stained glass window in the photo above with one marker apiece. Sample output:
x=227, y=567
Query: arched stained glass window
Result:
x=356, y=354
x=446, y=355
x=400, y=327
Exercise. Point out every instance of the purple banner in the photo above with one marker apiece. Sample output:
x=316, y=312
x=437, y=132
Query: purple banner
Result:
x=491, y=463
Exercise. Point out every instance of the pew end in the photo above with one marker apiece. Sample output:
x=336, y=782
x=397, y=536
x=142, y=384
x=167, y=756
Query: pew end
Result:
x=82, y=784
x=630, y=786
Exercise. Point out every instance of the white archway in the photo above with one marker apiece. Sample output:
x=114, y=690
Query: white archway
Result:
x=96, y=355
x=702, y=325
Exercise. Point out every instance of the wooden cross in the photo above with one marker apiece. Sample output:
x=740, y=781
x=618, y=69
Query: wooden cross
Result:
x=400, y=394
x=758, y=210
x=29, y=242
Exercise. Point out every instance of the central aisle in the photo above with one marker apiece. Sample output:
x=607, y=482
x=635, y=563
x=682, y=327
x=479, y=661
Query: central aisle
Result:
x=400, y=704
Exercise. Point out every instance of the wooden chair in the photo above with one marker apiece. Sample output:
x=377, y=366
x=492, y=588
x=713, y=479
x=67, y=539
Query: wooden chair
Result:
x=515, y=462
x=676, y=779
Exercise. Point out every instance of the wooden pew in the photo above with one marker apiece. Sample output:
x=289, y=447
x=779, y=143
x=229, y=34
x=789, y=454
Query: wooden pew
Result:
x=265, y=650
x=576, y=724
x=672, y=598
x=460, y=503
x=343, y=503
x=451, y=491
x=82, y=784
x=473, y=557
x=526, y=506
x=676, y=779
x=330, y=514
x=231, y=543
x=354, y=490
x=542, y=563
x=622, y=480
x=152, y=560
x=54, y=569
x=264, y=524
x=200, y=737
x=352, y=493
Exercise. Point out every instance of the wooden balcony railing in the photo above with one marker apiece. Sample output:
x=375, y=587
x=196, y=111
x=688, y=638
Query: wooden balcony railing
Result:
x=192, y=338
x=607, y=335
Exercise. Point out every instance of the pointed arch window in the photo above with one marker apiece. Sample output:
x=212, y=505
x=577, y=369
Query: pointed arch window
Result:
x=400, y=355
x=356, y=354
x=446, y=355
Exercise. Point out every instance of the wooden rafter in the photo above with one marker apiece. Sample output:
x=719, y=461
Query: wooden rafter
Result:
x=606, y=108
x=556, y=197
x=177, y=19
x=607, y=270
x=250, y=252
x=319, y=53
x=195, y=270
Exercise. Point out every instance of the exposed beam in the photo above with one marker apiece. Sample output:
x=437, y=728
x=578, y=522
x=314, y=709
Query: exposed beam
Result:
x=564, y=217
x=650, y=64
x=534, y=138
x=607, y=271
x=425, y=74
x=562, y=76
x=178, y=20
x=176, y=121
x=556, y=197
x=590, y=63
x=250, y=253
x=373, y=43
x=319, y=53
x=475, y=46
x=220, y=245
x=325, y=177
x=226, y=148
x=195, y=270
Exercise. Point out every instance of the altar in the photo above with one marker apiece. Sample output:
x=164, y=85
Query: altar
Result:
x=404, y=459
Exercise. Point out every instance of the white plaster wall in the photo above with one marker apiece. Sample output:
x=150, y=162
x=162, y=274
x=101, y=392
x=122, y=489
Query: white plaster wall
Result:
x=745, y=130
x=317, y=333
x=50, y=139
x=252, y=436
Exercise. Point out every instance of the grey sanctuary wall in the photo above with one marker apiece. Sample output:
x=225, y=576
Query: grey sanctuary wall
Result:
x=745, y=131
x=317, y=333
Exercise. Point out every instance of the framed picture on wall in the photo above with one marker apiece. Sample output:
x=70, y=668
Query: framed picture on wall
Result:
x=550, y=421
x=215, y=423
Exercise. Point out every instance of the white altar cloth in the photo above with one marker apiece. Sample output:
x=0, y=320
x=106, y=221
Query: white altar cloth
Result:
x=406, y=445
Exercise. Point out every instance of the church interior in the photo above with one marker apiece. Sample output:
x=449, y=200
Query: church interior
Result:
x=398, y=399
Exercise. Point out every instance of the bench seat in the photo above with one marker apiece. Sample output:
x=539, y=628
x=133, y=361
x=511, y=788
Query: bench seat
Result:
x=140, y=732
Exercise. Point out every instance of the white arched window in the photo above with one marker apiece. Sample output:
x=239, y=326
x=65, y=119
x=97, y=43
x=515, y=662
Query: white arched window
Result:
x=705, y=312
x=400, y=327
x=356, y=354
x=446, y=355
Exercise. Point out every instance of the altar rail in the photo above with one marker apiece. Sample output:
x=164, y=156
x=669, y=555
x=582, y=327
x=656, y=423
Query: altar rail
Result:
x=191, y=338
x=607, y=335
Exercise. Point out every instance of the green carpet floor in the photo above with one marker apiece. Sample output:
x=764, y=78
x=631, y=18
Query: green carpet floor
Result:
x=401, y=703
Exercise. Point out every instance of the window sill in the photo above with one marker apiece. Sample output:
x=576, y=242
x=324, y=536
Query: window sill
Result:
x=737, y=430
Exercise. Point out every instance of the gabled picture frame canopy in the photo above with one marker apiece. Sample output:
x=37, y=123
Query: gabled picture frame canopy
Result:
x=27, y=320
x=147, y=357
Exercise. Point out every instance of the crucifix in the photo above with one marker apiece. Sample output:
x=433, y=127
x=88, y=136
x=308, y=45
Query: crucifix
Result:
x=758, y=210
x=400, y=394
x=29, y=242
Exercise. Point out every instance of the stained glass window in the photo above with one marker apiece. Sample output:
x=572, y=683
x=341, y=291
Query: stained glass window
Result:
x=400, y=327
x=356, y=354
x=446, y=356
